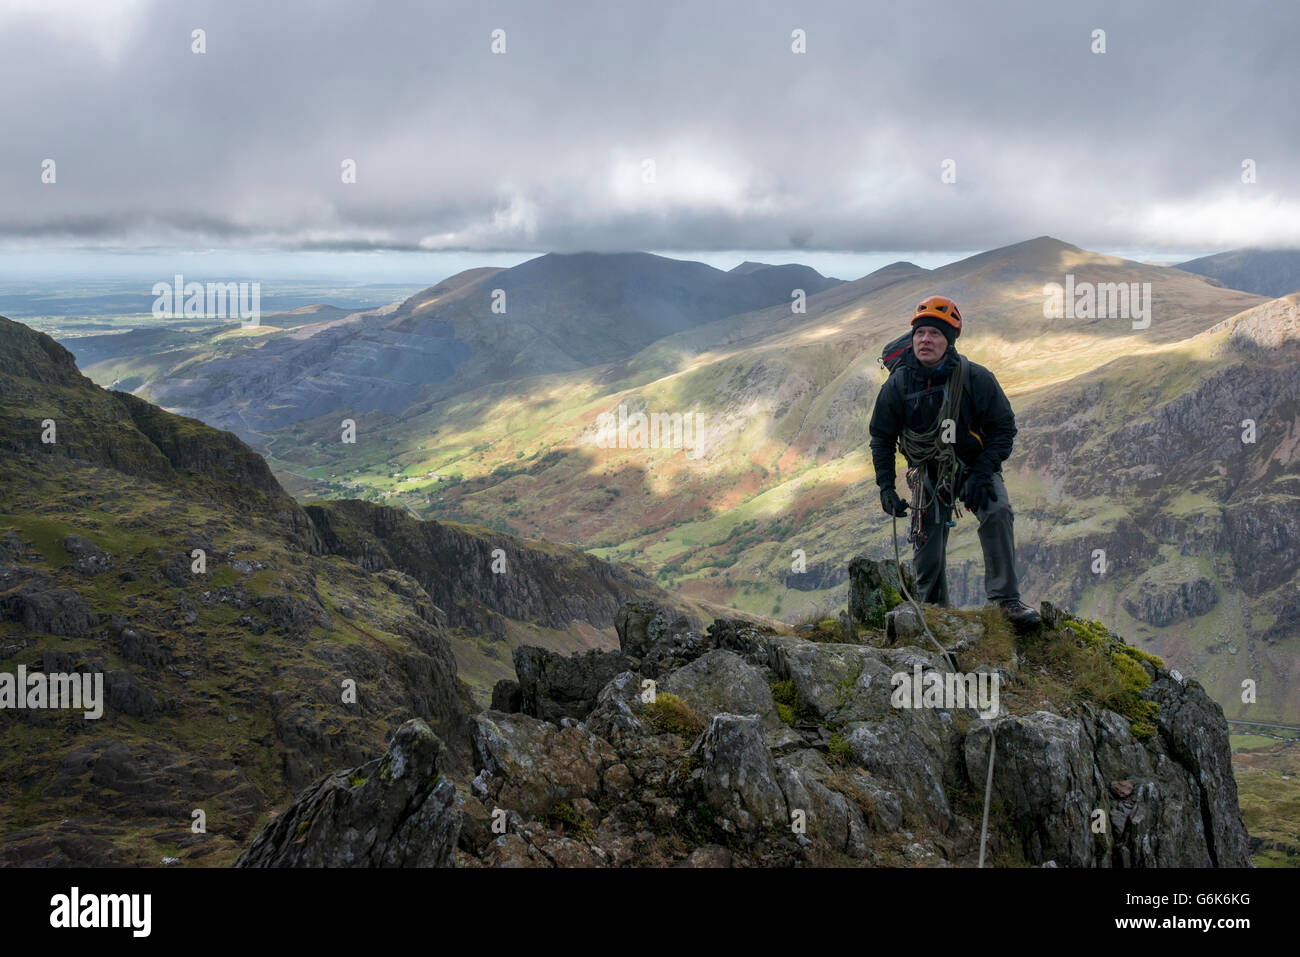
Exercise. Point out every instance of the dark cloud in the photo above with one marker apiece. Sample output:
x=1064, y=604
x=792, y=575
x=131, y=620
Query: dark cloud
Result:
x=753, y=146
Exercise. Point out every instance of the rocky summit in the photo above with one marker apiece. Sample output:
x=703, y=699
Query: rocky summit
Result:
x=741, y=746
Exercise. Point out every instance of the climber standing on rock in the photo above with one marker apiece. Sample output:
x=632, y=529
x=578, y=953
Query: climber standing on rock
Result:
x=954, y=425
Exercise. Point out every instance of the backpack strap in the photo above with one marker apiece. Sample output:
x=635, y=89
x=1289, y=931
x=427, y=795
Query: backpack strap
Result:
x=963, y=382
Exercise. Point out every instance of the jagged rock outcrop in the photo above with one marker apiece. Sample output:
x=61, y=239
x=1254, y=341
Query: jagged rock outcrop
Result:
x=661, y=639
x=480, y=577
x=698, y=766
x=396, y=811
x=32, y=599
x=554, y=686
x=507, y=697
x=642, y=625
x=817, y=576
x=530, y=766
x=1192, y=731
x=1163, y=603
x=832, y=820
x=745, y=638
x=1083, y=792
x=737, y=774
x=874, y=589
x=721, y=681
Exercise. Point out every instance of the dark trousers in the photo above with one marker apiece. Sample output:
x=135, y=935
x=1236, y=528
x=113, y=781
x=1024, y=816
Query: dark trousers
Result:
x=996, y=539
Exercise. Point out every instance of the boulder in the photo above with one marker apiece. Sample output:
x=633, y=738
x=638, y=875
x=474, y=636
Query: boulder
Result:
x=743, y=637
x=902, y=624
x=141, y=648
x=553, y=686
x=529, y=765
x=41, y=607
x=721, y=681
x=125, y=695
x=874, y=589
x=617, y=715
x=507, y=697
x=641, y=624
x=832, y=822
x=838, y=683
x=737, y=775
x=395, y=811
x=87, y=557
x=658, y=639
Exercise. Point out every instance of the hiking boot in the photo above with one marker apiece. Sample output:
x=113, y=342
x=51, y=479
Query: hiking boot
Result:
x=1019, y=614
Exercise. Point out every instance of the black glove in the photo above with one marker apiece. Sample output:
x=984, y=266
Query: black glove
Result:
x=891, y=503
x=977, y=493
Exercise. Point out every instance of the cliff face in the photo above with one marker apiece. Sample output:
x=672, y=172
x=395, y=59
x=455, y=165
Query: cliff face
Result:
x=739, y=746
x=533, y=581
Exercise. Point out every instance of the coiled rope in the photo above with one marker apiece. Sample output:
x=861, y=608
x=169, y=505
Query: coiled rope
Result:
x=921, y=449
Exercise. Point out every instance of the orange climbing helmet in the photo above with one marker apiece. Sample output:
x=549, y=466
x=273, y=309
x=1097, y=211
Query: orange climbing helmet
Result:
x=941, y=308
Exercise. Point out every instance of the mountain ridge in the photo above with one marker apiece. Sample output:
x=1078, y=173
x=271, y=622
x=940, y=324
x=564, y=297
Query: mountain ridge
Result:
x=1268, y=272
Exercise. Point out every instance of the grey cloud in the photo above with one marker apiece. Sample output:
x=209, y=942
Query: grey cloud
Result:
x=754, y=147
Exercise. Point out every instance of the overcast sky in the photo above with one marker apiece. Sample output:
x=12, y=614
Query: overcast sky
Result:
x=543, y=148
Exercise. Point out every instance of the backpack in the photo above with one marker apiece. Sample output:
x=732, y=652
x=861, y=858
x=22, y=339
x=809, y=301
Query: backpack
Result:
x=892, y=354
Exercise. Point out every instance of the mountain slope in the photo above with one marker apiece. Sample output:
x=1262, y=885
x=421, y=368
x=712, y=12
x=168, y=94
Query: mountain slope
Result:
x=1267, y=272
x=551, y=314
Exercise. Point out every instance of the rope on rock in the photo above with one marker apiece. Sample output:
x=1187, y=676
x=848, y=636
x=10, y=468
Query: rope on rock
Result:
x=948, y=657
x=950, y=660
x=988, y=792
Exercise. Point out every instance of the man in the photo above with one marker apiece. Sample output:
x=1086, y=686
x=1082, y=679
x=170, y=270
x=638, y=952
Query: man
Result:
x=908, y=406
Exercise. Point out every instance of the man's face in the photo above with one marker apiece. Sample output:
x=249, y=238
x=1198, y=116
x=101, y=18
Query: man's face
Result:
x=929, y=345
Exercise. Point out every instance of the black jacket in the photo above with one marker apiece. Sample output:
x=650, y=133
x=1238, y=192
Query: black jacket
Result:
x=911, y=397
